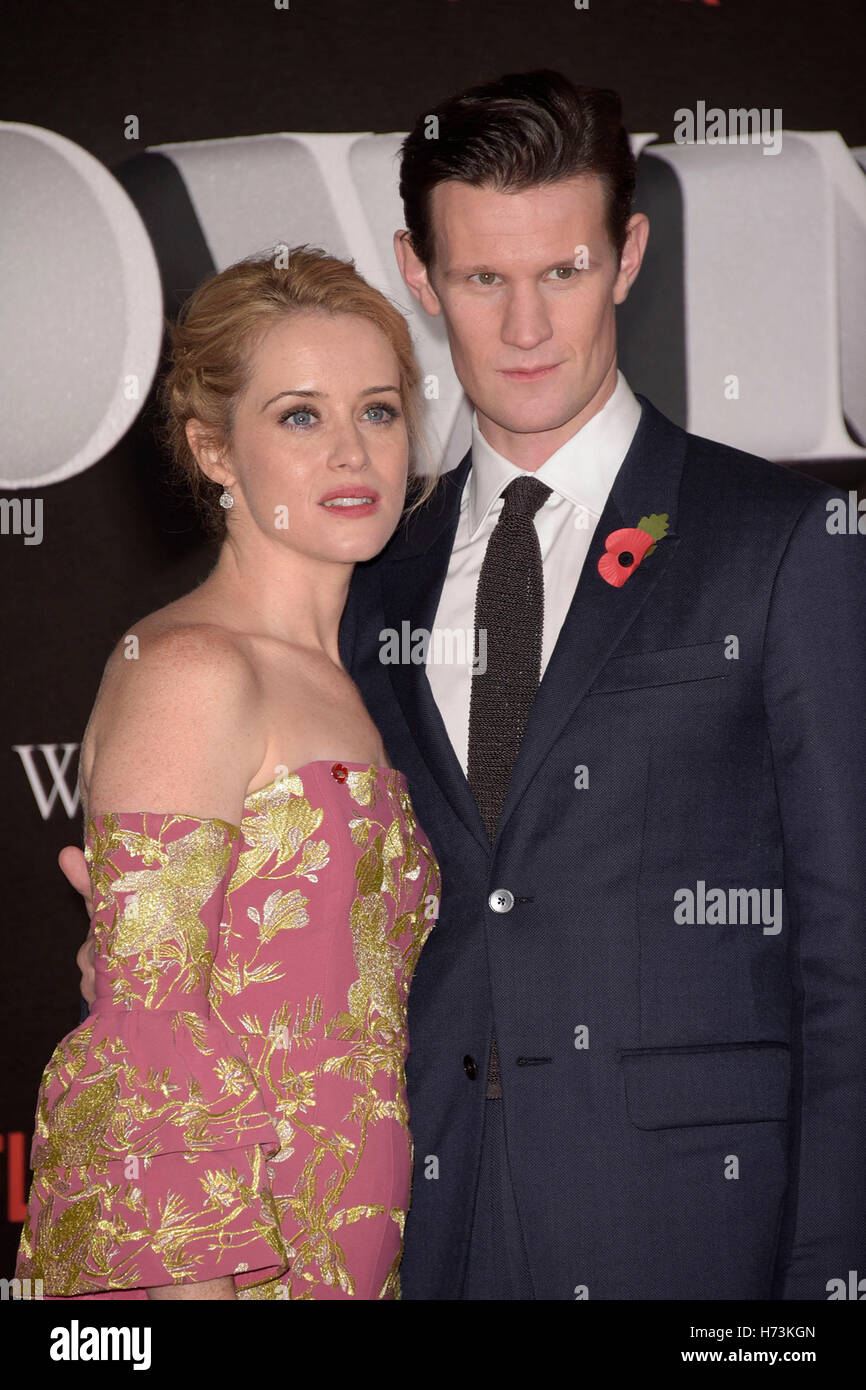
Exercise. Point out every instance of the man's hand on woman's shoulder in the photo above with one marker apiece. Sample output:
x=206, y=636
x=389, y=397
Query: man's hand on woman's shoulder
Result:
x=74, y=865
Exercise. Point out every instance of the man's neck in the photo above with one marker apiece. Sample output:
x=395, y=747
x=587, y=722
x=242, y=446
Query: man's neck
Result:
x=530, y=451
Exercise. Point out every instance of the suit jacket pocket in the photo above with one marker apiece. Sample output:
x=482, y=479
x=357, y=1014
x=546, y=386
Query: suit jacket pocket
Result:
x=713, y=1084
x=673, y=666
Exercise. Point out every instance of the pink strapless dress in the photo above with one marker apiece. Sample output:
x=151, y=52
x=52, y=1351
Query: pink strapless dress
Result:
x=236, y=1104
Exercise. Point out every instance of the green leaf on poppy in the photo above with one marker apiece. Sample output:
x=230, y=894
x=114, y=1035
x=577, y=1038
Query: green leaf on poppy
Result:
x=655, y=526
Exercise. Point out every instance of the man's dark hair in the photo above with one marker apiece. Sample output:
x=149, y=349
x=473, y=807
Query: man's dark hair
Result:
x=524, y=129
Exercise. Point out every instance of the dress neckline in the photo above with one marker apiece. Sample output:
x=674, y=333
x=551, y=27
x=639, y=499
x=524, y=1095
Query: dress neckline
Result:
x=94, y=821
x=320, y=762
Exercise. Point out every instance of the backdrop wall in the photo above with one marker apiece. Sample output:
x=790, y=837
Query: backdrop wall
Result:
x=142, y=148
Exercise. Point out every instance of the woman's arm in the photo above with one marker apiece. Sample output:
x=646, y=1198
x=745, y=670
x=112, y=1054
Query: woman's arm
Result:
x=209, y=1289
x=228, y=685
x=177, y=731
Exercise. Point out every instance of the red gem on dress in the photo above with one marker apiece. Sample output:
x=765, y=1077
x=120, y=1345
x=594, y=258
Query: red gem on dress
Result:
x=339, y=772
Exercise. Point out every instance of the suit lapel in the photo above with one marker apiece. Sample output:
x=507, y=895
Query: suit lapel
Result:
x=413, y=571
x=600, y=614
x=412, y=583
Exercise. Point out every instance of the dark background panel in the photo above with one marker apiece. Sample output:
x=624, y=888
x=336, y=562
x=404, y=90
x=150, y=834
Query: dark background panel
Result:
x=198, y=71
x=118, y=540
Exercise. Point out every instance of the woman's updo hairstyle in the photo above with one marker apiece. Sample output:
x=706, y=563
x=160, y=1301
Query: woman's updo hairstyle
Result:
x=216, y=332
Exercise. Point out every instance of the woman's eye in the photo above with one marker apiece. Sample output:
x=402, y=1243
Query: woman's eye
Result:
x=386, y=413
x=301, y=423
x=302, y=419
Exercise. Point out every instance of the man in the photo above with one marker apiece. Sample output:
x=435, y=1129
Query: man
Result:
x=638, y=1059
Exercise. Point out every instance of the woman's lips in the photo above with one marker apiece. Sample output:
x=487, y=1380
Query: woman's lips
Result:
x=350, y=503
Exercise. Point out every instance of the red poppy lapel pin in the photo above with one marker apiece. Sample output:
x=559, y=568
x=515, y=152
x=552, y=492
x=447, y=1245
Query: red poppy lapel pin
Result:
x=624, y=550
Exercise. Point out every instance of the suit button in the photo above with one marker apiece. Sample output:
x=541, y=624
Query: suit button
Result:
x=470, y=1066
x=501, y=900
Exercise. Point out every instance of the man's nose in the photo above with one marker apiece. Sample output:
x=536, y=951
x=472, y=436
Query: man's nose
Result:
x=526, y=323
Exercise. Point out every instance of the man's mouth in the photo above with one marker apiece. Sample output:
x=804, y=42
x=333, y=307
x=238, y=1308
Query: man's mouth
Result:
x=528, y=373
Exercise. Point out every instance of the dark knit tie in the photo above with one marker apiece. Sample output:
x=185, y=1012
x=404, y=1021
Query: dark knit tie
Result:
x=509, y=609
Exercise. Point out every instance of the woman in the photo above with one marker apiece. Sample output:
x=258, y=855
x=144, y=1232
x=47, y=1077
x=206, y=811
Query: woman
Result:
x=231, y=1120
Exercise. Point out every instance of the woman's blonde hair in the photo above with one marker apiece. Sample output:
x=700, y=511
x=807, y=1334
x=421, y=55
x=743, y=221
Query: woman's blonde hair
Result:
x=212, y=342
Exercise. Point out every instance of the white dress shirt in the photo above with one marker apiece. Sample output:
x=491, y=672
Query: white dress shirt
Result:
x=580, y=475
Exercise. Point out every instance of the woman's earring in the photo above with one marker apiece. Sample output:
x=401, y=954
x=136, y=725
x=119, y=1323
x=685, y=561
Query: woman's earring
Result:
x=226, y=499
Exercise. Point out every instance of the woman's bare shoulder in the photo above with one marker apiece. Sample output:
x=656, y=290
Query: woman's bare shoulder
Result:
x=176, y=697
x=159, y=651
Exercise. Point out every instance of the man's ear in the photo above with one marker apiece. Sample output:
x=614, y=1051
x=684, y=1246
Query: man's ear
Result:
x=209, y=453
x=414, y=273
x=637, y=235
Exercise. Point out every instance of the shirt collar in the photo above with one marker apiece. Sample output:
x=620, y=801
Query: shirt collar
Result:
x=582, y=470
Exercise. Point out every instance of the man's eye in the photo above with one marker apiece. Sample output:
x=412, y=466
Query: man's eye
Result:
x=484, y=277
x=567, y=271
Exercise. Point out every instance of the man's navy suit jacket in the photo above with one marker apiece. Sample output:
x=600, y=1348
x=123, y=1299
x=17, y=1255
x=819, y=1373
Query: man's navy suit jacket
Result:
x=683, y=1101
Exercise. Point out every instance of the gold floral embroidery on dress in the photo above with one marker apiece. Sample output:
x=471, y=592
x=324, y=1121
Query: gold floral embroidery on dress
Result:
x=191, y=1125
x=93, y=1244
x=159, y=922
x=284, y=828
x=362, y=785
x=144, y=1081
x=389, y=922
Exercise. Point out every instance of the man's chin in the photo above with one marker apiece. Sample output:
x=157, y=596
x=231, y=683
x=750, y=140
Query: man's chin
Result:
x=534, y=417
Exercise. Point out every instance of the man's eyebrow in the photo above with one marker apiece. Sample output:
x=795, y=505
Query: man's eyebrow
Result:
x=308, y=393
x=455, y=270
